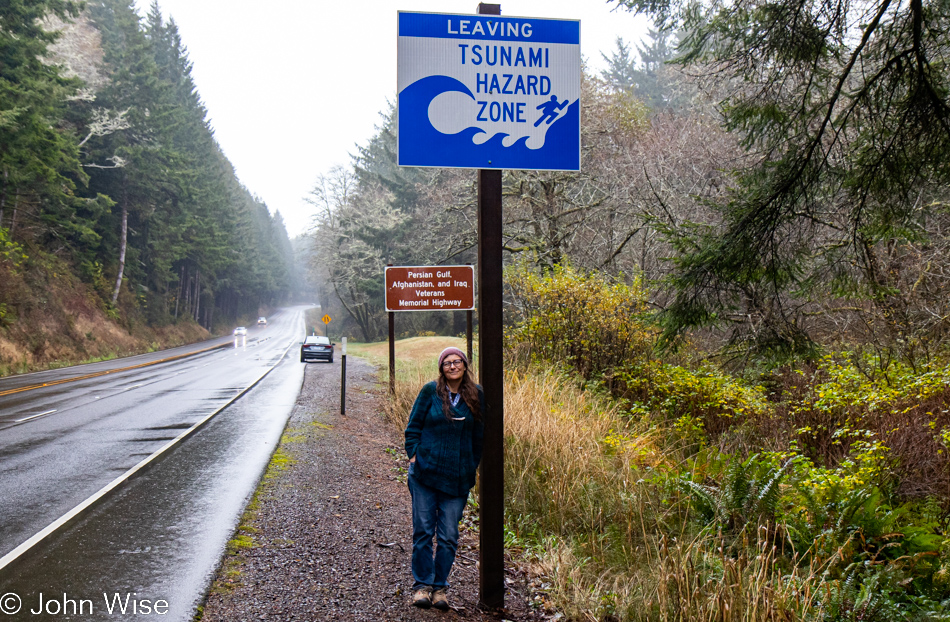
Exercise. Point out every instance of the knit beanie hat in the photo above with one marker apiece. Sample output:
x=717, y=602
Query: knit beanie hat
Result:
x=449, y=351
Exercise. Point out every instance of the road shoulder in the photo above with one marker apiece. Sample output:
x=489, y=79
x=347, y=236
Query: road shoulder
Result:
x=328, y=533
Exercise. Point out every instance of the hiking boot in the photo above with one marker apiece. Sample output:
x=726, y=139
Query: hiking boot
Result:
x=421, y=598
x=439, y=601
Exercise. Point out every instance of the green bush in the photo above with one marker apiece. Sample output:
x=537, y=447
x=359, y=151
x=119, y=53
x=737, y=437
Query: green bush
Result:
x=582, y=320
x=706, y=399
x=832, y=410
x=10, y=252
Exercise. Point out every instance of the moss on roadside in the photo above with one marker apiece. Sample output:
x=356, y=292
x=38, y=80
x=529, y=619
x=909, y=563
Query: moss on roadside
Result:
x=230, y=570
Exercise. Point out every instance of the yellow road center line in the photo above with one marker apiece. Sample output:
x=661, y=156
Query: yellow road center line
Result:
x=109, y=371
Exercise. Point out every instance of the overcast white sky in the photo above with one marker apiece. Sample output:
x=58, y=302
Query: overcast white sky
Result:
x=292, y=86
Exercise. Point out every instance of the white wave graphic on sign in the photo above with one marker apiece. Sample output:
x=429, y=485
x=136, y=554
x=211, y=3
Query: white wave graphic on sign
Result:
x=452, y=112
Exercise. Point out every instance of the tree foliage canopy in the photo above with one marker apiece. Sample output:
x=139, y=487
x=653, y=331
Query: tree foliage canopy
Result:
x=107, y=157
x=844, y=109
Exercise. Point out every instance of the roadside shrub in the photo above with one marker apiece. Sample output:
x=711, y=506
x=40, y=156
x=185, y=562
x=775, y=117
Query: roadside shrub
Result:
x=834, y=409
x=10, y=252
x=706, y=398
x=582, y=320
x=839, y=520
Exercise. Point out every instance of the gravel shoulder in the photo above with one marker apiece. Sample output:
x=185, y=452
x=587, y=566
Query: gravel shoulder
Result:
x=328, y=535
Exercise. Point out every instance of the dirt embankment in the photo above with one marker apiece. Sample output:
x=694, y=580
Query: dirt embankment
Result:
x=48, y=317
x=328, y=536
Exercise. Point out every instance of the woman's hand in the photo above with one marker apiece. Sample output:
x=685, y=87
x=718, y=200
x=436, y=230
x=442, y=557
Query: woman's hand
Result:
x=413, y=459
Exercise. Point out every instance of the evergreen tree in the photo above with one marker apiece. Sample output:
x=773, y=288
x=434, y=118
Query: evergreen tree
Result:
x=648, y=78
x=126, y=164
x=38, y=156
x=652, y=79
x=621, y=73
x=161, y=208
x=199, y=240
x=846, y=110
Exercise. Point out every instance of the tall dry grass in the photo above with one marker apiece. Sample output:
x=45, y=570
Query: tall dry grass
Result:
x=409, y=379
x=587, y=505
x=584, y=486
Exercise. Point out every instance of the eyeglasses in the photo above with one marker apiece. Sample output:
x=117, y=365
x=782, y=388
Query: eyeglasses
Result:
x=451, y=364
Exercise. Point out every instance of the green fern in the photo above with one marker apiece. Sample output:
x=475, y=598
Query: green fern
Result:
x=703, y=499
x=750, y=490
x=860, y=597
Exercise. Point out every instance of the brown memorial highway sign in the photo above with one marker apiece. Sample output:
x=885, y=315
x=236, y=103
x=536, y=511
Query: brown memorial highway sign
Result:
x=430, y=288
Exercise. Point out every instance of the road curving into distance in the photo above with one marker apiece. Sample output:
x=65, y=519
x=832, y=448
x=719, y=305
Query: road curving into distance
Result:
x=68, y=437
x=155, y=540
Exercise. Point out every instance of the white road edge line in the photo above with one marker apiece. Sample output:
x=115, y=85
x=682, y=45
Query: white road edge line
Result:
x=48, y=412
x=38, y=537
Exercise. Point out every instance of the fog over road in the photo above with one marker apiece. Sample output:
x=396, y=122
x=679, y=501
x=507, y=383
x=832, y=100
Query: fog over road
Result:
x=160, y=534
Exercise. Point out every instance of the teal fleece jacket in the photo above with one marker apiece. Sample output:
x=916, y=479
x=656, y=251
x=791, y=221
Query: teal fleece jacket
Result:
x=447, y=452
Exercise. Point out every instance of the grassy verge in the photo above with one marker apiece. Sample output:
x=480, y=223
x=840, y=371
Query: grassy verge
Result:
x=625, y=511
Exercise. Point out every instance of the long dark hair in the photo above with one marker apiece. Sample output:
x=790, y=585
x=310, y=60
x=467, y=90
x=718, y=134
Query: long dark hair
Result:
x=468, y=390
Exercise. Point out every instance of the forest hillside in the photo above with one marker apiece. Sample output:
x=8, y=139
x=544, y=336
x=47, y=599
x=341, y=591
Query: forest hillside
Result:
x=122, y=224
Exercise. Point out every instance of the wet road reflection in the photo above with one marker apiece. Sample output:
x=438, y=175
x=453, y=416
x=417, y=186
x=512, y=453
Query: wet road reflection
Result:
x=159, y=538
x=61, y=444
x=160, y=535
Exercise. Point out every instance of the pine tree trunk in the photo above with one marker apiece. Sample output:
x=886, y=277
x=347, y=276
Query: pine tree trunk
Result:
x=181, y=289
x=197, y=294
x=3, y=195
x=122, y=244
x=186, y=297
x=13, y=215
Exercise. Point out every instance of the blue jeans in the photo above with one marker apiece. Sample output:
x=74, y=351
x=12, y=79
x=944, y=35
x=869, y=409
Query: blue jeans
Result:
x=435, y=514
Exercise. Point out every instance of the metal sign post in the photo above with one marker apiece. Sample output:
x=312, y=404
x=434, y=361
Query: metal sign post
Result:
x=343, y=378
x=491, y=489
x=392, y=354
x=488, y=92
x=468, y=335
x=326, y=325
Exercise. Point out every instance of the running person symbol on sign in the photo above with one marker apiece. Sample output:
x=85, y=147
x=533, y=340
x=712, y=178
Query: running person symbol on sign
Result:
x=550, y=109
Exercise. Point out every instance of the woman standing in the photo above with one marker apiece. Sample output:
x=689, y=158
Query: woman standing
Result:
x=444, y=444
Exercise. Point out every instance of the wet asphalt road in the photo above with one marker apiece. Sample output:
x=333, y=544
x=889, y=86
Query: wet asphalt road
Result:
x=159, y=536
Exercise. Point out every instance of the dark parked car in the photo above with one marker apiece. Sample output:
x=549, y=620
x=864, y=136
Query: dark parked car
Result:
x=316, y=348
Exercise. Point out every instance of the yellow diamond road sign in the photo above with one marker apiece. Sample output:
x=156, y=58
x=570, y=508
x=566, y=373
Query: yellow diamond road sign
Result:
x=327, y=319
